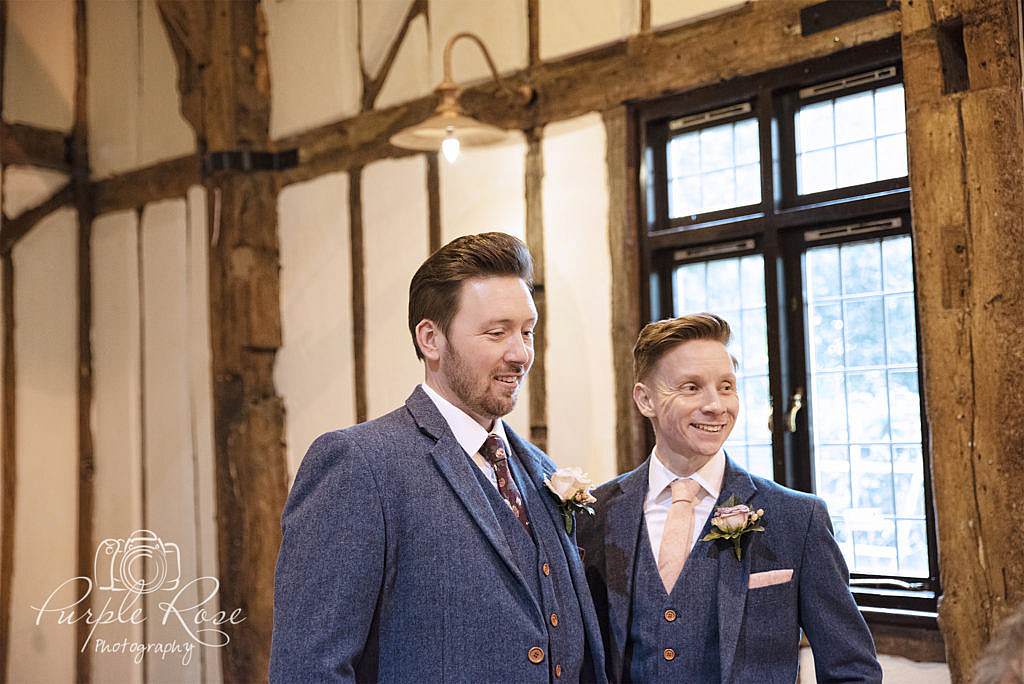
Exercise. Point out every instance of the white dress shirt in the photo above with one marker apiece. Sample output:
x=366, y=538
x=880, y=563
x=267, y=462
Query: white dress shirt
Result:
x=659, y=496
x=468, y=433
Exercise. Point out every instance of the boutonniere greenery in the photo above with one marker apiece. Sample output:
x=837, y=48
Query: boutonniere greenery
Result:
x=732, y=521
x=571, y=486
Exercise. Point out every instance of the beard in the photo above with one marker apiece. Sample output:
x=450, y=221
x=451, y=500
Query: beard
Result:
x=478, y=394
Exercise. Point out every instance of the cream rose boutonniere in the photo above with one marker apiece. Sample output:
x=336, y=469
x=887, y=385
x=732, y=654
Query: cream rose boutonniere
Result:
x=571, y=486
x=732, y=521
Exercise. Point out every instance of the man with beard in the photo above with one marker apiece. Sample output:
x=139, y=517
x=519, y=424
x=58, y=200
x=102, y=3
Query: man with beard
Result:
x=424, y=545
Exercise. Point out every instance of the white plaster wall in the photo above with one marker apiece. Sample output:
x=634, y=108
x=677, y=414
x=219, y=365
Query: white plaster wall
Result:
x=116, y=419
x=39, y=69
x=381, y=22
x=27, y=186
x=163, y=132
x=313, y=371
x=484, y=190
x=134, y=110
x=395, y=220
x=113, y=48
x=670, y=12
x=501, y=24
x=200, y=390
x=409, y=76
x=46, y=502
x=314, y=63
x=571, y=26
x=169, y=460
x=581, y=408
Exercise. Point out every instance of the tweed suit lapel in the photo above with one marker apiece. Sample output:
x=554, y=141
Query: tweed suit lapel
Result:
x=733, y=575
x=451, y=460
x=623, y=514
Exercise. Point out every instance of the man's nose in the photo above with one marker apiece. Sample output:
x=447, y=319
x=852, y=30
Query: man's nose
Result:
x=713, y=403
x=517, y=350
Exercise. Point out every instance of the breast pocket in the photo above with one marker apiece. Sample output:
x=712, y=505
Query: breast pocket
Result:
x=771, y=588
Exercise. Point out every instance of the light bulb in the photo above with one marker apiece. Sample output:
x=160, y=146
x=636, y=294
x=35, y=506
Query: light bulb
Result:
x=450, y=149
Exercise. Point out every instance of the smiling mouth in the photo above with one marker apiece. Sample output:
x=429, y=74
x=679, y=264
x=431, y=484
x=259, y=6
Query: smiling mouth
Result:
x=508, y=380
x=708, y=427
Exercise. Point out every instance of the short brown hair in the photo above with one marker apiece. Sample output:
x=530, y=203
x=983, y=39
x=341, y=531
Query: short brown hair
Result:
x=658, y=338
x=434, y=290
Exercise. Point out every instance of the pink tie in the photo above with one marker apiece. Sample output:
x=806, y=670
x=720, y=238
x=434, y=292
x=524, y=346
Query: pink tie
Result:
x=676, y=541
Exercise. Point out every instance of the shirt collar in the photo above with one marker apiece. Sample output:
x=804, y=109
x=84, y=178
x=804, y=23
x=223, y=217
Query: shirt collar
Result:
x=468, y=433
x=710, y=476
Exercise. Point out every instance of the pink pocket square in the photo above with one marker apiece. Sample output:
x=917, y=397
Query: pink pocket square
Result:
x=770, y=578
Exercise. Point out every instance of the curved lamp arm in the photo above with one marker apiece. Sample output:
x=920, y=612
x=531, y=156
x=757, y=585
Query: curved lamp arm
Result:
x=448, y=84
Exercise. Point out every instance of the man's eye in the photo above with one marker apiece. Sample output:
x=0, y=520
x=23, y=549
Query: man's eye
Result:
x=529, y=333
x=495, y=333
x=689, y=387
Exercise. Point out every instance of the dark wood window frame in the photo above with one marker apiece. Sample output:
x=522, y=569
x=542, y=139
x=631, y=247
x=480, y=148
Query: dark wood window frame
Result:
x=776, y=226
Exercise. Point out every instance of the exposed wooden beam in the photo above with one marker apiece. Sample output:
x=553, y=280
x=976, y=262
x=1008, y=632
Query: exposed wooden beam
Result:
x=533, y=32
x=8, y=461
x=357, y=252
x=965, y=130
x=86, y=545
x=220, y=47
x=645, y=16
x=623, y=243
x=538, y=382
x=34, y=146
x=641, y=67
x=434, y=202
x=19, y=226
x=162, y=180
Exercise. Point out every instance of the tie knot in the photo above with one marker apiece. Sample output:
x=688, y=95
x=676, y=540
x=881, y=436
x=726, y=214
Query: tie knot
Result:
x=494, y=449
x=685, y=490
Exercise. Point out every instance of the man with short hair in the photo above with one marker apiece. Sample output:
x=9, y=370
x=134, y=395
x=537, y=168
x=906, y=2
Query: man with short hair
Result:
x=677, y=607
x=424, y=546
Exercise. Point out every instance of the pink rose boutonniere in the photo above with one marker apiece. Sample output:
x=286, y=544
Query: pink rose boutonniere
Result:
x=571, y=486
x=732, y=521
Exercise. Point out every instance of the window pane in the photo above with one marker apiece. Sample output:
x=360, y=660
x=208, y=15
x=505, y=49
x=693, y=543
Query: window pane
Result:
x=860, y=136
x=714, y=168
x=865, y=411
x=734, y=289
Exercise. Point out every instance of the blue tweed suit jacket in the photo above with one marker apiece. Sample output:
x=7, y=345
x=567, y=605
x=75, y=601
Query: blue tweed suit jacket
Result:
x=758, y=629
x=393, y=566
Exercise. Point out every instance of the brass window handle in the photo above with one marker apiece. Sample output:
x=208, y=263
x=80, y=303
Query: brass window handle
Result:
x=796, y=402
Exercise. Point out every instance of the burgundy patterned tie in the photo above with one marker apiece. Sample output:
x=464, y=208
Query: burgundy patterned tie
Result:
x=495, y=452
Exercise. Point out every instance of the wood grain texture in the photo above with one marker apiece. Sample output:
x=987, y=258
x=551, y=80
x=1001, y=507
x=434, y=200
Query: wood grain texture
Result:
x=220, y=47
x=623, y=243
x=967, y=198
x=534, y=189
x=34, y=146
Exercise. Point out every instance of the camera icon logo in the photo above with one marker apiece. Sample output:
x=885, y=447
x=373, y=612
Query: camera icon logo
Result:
x=142, y=563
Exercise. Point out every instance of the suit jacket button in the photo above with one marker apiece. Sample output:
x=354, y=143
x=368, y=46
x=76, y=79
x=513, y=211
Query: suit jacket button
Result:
x=670, y=615
x=536, y=655
x=546, y=569
x=558, y=671
x=554, y=619
x=669, y=654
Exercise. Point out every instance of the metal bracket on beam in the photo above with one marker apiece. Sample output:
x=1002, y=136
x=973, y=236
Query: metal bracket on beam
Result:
x=248, y=160
x=831, y=13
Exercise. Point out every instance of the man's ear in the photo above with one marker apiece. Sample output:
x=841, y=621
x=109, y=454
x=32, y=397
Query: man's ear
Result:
x=430, y=339
x=643, y=399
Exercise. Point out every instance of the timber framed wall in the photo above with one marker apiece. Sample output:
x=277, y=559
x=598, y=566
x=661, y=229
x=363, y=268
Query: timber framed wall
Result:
x=962, y=76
